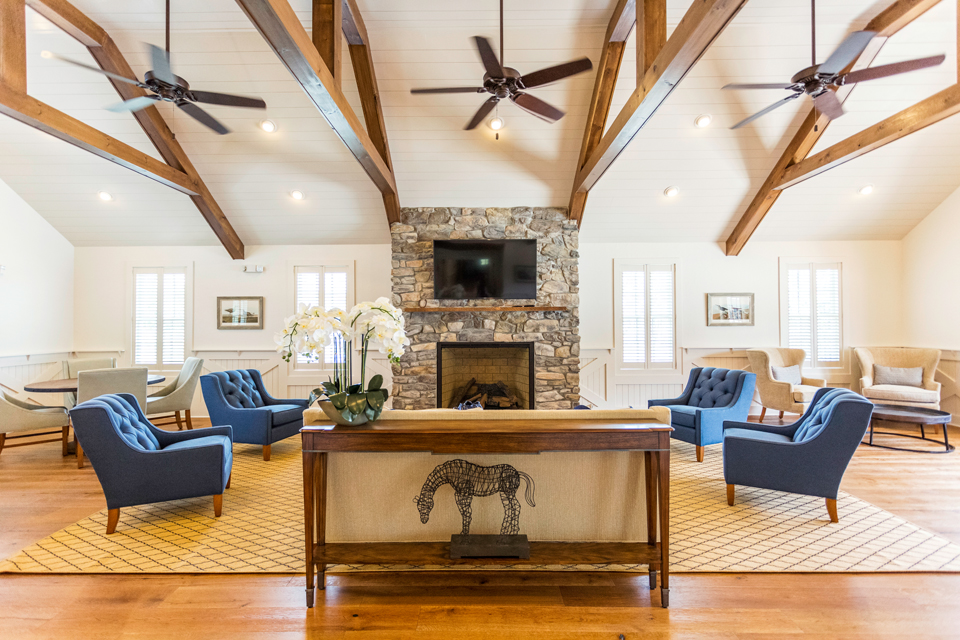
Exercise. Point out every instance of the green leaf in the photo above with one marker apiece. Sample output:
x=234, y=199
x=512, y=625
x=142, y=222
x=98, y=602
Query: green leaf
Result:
x=354, y=388
x=386, y=394
x=375, y=382
x=316, y=393
x=330, y=388
x=375, y=399
x=356, y=403
x=339, y=401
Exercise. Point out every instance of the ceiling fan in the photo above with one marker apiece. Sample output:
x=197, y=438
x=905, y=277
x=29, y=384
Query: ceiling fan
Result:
x=506, y=83
x=816, y=80
x=167, y=87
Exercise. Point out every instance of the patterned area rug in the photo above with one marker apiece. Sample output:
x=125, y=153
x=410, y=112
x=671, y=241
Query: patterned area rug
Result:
x=261, y=530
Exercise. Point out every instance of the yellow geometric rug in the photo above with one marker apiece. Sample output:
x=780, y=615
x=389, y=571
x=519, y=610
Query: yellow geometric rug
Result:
x=261, y=530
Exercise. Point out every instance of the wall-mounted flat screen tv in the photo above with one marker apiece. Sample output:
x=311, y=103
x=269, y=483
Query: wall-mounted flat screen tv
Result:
x=476, y=269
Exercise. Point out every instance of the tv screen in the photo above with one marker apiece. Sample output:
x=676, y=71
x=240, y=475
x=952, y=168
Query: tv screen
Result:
x=473, y=269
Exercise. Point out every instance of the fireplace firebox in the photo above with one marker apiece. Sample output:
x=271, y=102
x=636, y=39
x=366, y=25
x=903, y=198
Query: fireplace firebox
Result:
x=499, y=375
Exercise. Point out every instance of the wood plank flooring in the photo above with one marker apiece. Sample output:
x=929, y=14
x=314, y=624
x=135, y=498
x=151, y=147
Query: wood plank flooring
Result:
x=40, y=492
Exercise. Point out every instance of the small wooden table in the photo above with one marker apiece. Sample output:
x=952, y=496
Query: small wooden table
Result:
x=482, y=437
x=69, y=385
x=911, y=415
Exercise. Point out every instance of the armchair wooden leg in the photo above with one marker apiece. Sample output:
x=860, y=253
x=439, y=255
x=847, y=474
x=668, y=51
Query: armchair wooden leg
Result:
x=229, y=478
x=113, y=517
x=65, y=445
x=217, y=504
x=189, y=421
x=79, y=454
x=832, y=510
x=781, y=415
x=763, y=412
x=699, y=453
x=731, y=493
x=176, y=414
x=3, y=438
x=266, y=453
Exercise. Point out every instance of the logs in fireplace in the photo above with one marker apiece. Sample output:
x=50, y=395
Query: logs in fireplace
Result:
x=489, y=396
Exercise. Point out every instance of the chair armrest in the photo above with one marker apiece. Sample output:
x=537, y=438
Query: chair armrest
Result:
x=783, y=430
x=933, y=386
x=166, y=438
x=664, y=403
x=866, y=382
x=300, y=402
x=814, y=382
x=165, y=391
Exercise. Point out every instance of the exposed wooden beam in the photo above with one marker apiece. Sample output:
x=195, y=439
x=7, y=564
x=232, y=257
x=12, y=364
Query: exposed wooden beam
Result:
x=108, y=57
x=353, y=28
x=278, y=24
x=327, y=35
x=886, y=23
x=703, y=22
x=13, y=45
x=614, y=44
x=652, y=34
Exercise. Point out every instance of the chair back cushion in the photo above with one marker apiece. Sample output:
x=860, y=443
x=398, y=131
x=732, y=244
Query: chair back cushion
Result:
x=715, y=388
x=98, y=382
x=818, y=416
x=125, y=419
x=239, y=389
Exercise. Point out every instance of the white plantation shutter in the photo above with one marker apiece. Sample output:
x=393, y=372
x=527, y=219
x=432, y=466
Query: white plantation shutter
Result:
x=827, y=293
x=813, y=313
x=174, y=317
x=799, y=310
x=634, y=313
x=646, y=304
x=159, y=316
x=327, y=284
x=662, y=317
x=146, y=303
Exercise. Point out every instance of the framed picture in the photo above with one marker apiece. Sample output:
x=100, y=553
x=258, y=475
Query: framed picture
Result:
x=239, y=313
x=729, y=309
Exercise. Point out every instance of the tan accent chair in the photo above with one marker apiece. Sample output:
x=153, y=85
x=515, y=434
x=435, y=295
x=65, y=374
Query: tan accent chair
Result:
x=777, y=394
x=72, y=367
x=26, y=420
x=99, y=382
x=927, y=396
x=176, y=396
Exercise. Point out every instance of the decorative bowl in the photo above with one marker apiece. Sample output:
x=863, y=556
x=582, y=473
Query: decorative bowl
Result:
x=334, y=414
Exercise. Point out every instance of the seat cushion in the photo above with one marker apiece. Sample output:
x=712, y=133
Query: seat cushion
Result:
x=683, y=415
x=284, y=413
x=207, y=441
x=897, y=392
x=803, y=393
x=750, y=434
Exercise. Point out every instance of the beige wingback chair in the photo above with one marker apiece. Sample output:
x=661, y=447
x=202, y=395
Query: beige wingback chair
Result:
x=926, y=396
x=72, y=367
x=98, y=382
x=26, y=420
x=776, y=394
x=177, y=396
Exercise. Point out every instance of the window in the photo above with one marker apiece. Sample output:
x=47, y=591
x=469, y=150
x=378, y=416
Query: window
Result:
x=325, y=286
x=159, y=316
x=645, y=301
x=813, y=312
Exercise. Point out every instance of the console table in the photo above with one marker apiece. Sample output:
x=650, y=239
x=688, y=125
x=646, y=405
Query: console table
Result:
x=483, y=437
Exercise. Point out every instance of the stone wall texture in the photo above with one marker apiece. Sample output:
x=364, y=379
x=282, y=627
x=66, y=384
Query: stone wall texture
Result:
x=555, y=333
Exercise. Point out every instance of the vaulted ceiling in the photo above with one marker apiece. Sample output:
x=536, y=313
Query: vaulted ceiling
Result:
x=424, y=43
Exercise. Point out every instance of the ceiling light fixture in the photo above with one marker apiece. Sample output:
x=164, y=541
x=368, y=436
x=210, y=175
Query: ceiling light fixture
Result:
x=106, y=197
x=865, y=190
x=46, y=54
x=496, y=124
x=296, y=195
x=268, y=125
x=671, y=192
x=703, y=121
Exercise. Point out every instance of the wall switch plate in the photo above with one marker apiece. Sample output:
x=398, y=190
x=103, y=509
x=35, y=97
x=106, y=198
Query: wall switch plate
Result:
x=255, y=268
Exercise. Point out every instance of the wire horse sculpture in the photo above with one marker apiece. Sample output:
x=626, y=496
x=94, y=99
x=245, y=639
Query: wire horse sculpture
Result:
x=470, y=480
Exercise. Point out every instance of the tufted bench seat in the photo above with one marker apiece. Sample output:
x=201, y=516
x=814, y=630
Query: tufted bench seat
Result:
x=239, y=399
x=712, y=395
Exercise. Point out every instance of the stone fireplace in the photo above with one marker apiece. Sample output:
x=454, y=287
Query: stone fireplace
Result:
x=465, y=368
x=549, y=324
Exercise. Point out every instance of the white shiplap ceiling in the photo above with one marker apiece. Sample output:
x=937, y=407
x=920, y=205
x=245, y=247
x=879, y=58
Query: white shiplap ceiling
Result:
x=423, y=43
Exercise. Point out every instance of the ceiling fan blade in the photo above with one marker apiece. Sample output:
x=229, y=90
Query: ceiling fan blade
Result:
x=828, y=104
x=450, y=90
x=161, y=65
x=488, y=57
x=886, y=70
x=482, y=113
x=133, y=104
x=114, y=76
x=559, y=72
x=775, y=105
x=227, y=100
x=537, y=107
x=767, y=85
x=202, y=117
x=847, y=52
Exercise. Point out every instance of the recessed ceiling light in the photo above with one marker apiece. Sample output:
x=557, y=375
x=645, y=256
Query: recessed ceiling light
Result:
x=703, y=121
x=104, y=195
x=296, y=195
x=268, y=125
x=865, y=190
x=671, y=192
x=496, y=124
x=46, y=54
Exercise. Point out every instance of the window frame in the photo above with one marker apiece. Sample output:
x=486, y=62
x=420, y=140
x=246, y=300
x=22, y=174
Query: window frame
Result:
x=842, y=366
x=298, y=369
x=130, y=305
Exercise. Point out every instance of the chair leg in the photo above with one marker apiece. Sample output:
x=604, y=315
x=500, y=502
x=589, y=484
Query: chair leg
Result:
x=79, y=454
x=781, y=415
x=65, y=448
x=731, y=493
x=229, y=478
x=189, y=421
x=763, y=412
x=832, y=510
x=266, y=453
x=176, y=414
x=217, y=504
x=3, y=438
x=699, y=453
x=113, y=517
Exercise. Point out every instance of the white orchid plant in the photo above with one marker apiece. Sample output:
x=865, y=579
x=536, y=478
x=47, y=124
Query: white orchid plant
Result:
x=378, y=325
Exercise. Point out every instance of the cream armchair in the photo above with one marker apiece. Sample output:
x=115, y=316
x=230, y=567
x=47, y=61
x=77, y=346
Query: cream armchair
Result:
x=927, y=395
x=71, y=368
x=777, y=394
x=27, y=420
x=176, y=396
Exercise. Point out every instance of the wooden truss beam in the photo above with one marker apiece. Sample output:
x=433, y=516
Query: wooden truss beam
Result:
x=327, y=38
x=886, y=23
x=106, y=54
x=278, y=24
x=701, y=25
x=13, y=45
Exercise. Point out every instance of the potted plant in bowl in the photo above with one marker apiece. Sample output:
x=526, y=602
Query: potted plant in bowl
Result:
x=371, y=325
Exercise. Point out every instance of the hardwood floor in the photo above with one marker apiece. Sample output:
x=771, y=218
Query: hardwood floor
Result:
x=40, y=492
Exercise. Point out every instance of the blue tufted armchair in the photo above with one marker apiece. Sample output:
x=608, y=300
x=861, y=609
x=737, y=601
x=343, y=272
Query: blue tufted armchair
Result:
x=807, y=457
x=137, y=463
x=238, y=398
x=712, y=396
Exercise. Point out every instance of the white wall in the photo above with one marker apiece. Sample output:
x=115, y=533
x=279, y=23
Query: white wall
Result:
x=36, y=287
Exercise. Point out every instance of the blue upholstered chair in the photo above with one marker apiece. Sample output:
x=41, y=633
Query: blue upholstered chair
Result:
x=137, y=463
x=238, y=398
x=807, y=457
x=711, y=396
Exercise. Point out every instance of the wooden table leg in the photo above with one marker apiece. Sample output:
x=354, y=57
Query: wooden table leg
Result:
x=650, y=477
x=309, y=473
x=321, y=515
x=663, y=462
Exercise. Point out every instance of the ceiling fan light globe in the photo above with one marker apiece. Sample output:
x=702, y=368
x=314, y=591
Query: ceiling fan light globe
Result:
x=496, y=124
